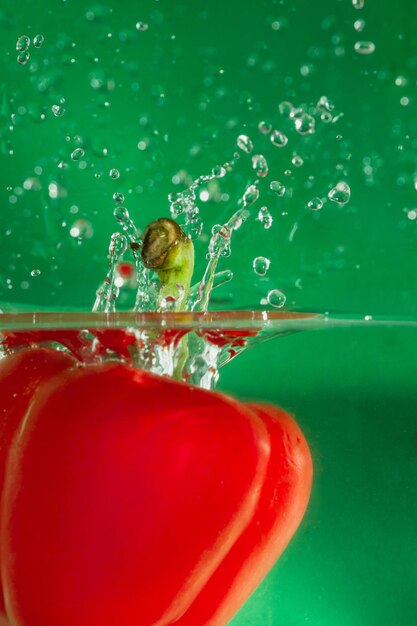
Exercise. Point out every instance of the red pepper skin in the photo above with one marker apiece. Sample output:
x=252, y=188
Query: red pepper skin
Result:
x=279, y=511
x=124, y=492
x=21, y=375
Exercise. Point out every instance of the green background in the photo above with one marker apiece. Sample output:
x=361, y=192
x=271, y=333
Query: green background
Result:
x=184, y=89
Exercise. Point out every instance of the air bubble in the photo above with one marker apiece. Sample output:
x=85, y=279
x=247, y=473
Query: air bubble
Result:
x=57, y=110
x=358, y=4
x=261, y=265
x=260, y=165
x=364, y=47
x=38, y=40
x=276, y=298
x=278, y=139
x=315, y=204
x=22, y=43
x=35, y=272
x=359, y=25
x=23, y=58
x=277, y=187
x=114, y=173
x=340, y=193
x=142, y=26
x=77, y=154
x=118, y=197
x=265, y=217
x=244, y=143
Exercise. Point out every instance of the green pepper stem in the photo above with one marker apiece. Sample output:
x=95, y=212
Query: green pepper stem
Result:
x=170, y=253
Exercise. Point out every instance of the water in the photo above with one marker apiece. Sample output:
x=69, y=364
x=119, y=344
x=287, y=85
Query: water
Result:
x=156, y=99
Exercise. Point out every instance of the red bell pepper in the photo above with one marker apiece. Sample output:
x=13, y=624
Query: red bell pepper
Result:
x=132, y=499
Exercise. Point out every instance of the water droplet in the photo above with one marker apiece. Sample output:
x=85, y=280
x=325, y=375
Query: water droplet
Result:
x=168, y=303
x=244, y=143
x=359, y=25
x=114, y=173
x=77, y=154
x=23, y=58
x=58, y=110
x=261, y=265
x=142, y=26
x=264, y=127
x=250, y=196
x=260, y=165
x=285, y=108
x=22, y=43
x=364, y=47
x=276, y=298
x=340, y=193
x=219, y=171
x=278, y=188
x=326, y=117
x=324, y=104
x=297, y=161
x=265, y=217
x=278, y=139
x=38, y=40
x=118, y=197
x=305, y=124
x=315, y=204
x=358, y=4
x=120, y=213
x=82, y=229
x=35, y=272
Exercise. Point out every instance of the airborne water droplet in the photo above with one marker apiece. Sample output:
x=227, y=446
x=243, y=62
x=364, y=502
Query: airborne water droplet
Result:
x=340, y=193
x=285, y=108
x=57, y=110
x=82, y=229
x=250, y=196
x=364, y=47
x=305, y=124
x=315, y=204
x=22, y=43
x=278, y=139
x=261, y=265
x=359, y=25
x=260, y=165
x=219, y=171
x=278, y=188
x=77, y=154
x=118, y=197
x=38, y=40
x=23, y=58
x=264, y=127
x=265, y=217
x=276, y=298
x=297, y=161
x=324, y=104
x=244, y=143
